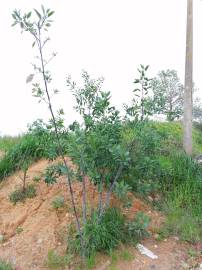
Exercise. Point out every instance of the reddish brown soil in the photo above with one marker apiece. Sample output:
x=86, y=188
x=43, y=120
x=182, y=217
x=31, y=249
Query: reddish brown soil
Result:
x=45, y=228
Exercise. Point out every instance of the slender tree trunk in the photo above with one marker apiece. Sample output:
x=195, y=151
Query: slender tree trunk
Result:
x=69, y=182
x=24, y=181
x=187, y=139
x=84, y=203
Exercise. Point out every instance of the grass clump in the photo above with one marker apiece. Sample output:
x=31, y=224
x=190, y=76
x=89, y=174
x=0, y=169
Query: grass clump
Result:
x=7, y=142
x=20, y=195
x=12, y=160
x=183, y=209
x=126, y=255
x=58, y=202
x=108, y=232
x=56, y=261
x=36, y=178
x=5, y=265
x=37, y=143
x=19, y=230
x=102, y=234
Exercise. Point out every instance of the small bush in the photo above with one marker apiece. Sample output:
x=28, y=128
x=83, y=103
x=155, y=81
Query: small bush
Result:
x=58, y=202
x=20, y=196
x=101, y=234
x=19, y=230
x=105, y=234
x=5, y=265
x=137, y=228
x=56, y=261
x=36, y=178
x=121, y=190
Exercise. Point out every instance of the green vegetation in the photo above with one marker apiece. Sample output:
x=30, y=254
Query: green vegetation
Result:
x=118, y=153
x=36, y=144
x=21, y=195
x=106, y=233
x=58, y=202
x=56, y=261
x=19, y=230
x=160, y=166
x=7, y=142
x=36, y=178
x=5, y=265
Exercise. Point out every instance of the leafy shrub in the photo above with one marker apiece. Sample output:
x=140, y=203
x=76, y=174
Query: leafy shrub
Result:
x=7, y=142
x=36, y=178
x=55, y=261
x=142, y=174
x=136, y=229
x=101, y=234
x=107, y=233
x=58, y=202
x=5, y=265
x=20, y=196
x=121, y=190
x=53, y=171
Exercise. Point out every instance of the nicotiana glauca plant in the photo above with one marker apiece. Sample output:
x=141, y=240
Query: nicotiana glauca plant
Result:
x=101, y=154
x=37, y=27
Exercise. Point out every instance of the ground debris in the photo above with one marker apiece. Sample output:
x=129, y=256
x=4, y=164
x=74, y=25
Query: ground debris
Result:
x=145, y=251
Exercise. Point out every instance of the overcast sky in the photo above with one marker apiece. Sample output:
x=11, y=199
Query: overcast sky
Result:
x=108, y=38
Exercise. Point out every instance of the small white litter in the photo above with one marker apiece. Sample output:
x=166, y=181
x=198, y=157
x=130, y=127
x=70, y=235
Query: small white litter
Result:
x=145, y=251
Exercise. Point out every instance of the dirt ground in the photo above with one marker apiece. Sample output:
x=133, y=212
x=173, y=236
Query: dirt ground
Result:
x=33, y=228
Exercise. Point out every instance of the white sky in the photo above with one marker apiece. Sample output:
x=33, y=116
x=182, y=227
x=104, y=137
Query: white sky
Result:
x=108, y=38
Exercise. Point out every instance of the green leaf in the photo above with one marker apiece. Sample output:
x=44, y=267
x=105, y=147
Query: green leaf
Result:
x=13, y=24
x=14, y=17
x=47, y=24
x=146, y=67
x=38, y=14
x=33, y=44
x=22, y=25
x=43, y=9
x=51, y=13
x=29, y=15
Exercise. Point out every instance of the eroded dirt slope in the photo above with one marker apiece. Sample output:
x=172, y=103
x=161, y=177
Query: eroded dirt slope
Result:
x=32, y=228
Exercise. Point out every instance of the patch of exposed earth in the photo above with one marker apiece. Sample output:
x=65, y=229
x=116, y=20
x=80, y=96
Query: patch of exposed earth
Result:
x=33, y=228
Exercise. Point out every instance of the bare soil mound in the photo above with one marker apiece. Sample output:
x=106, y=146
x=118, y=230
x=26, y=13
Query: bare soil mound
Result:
x=33, y=228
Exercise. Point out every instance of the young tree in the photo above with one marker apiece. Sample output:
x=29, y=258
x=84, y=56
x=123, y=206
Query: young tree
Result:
x=187, y=121
x=96, y=145
x=167, y=94
x=141, y=106
x=37, y=27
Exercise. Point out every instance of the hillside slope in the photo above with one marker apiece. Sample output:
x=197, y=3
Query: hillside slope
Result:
x=33, y=228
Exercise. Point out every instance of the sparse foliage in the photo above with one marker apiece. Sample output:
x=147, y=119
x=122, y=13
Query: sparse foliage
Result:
x=141, y=106
x=20, y=195
x=38, y=27
x=168, y=94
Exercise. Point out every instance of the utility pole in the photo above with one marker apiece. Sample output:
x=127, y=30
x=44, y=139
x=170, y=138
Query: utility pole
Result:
x=187, y=121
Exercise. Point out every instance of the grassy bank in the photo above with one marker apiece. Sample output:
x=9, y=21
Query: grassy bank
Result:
x=158, y=166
